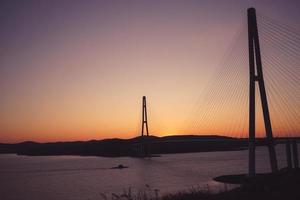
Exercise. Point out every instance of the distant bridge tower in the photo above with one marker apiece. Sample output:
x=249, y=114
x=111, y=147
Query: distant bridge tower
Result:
x=144, y=147
x=256, y=75
x=144, y=117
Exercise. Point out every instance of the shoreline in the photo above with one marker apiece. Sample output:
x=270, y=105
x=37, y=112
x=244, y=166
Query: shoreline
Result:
x=282, y=185
x=134, y=147
x=129, y=147
x=126, y=156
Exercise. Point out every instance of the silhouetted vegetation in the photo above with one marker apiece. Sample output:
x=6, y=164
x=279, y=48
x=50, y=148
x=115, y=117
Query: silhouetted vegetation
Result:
x=284, y=185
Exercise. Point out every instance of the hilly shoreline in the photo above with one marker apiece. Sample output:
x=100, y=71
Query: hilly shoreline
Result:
x=126, y=147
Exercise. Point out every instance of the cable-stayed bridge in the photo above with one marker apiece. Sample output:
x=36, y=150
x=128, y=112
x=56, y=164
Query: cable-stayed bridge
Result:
x=255, y=90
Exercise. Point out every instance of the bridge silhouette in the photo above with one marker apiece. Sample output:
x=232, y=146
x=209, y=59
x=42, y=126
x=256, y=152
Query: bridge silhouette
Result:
x=261, y=81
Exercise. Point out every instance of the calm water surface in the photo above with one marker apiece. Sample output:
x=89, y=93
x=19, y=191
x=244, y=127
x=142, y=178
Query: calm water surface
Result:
x=75, y=177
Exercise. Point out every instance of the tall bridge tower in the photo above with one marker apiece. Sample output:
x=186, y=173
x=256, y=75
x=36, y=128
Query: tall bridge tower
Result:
x=144, y=117
x=145, y=151
x=256, y=76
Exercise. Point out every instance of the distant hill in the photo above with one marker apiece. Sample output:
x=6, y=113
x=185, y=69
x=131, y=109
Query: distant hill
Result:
x=127, y=147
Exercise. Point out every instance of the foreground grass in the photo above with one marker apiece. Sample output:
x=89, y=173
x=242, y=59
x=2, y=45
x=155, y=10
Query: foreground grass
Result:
x=282, y=186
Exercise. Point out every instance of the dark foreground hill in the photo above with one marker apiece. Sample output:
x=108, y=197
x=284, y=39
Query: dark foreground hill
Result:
x=283, y=185
x=127, y=147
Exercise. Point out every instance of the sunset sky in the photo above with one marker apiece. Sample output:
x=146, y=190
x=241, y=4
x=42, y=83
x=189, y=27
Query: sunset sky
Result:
x=77, y=70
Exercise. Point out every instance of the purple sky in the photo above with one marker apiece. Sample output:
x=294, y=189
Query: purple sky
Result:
x=75, y=69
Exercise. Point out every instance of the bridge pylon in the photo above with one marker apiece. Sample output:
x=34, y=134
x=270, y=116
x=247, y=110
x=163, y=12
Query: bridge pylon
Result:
x=256, y=75
x=145, y=130
x=295, y=154
x=144, y=118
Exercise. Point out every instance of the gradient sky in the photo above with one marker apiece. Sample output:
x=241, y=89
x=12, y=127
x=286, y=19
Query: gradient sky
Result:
x=77, y=70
